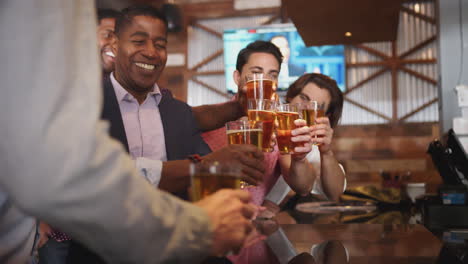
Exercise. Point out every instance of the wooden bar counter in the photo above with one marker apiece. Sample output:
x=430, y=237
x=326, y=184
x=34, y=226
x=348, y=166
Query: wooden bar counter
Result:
x=338, y=244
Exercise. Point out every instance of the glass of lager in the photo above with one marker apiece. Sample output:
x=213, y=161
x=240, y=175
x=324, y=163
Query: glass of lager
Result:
x=245, y=132
x=311, y=111
x=263, y=110
x=285, y=116
x=209, y=177
x=260, y=86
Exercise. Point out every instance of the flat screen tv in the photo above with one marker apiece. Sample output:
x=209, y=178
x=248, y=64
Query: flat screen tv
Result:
x=328, y=60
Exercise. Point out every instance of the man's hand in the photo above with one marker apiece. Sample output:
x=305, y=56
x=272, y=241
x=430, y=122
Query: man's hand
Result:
x=271, y=209
x=241, y=99
x=247, y=157
x=322, y=134
x=230, y=214
x=44, y=232
x=266, y=227
x=302, y=137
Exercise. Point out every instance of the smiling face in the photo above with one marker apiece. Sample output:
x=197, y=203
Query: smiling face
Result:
x=105, y=34
x=141, y=54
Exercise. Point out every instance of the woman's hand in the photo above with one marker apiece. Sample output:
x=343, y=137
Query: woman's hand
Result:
x=322, y=134
x=301, y=136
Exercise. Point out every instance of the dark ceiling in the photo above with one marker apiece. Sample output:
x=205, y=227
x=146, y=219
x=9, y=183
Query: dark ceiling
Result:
x=322, y=22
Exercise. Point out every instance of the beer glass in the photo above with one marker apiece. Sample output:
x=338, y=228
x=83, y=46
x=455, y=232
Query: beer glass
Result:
x=311, y=111
x=245, y=132
x=263, y=110
x=285, y=115
x=209, y=177
x=260, y=86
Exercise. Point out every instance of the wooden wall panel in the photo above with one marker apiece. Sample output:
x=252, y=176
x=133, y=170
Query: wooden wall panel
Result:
x=366, y=150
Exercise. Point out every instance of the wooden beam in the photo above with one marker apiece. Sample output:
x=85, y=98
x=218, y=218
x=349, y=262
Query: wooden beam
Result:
x=207, y=60
x=272, y=19
x=371, y=77
x=418, y=75
x=221, y=9
x=371, y=51
x=367, y=109
x=418, y=47
x=368, y=64
x=418, y=15
x=207, y=29
x=204, y=73
x=394, y=84
x=419, y=61
x=418, y=109
x=284, y=12
x=209, y=87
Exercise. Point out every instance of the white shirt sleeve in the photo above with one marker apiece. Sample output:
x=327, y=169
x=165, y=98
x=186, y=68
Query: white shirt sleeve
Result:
x=150, y=169
x=281, y=188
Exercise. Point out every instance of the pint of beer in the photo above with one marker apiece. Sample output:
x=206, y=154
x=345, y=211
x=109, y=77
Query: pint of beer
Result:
x=285, y=116
x=264, y=111
x=311, y=111
x=260, y=86
x=245, y=132
x=207, y=178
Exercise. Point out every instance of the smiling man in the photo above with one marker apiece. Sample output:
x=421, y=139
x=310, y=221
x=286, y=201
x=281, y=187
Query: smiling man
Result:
x=105, y=35
x=142, y=54
x=159, y=132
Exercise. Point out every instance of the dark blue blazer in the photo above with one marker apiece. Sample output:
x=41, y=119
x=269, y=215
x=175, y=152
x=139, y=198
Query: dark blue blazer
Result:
x=181, y=133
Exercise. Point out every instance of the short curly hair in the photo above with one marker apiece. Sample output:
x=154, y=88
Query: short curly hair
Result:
x=126, y=16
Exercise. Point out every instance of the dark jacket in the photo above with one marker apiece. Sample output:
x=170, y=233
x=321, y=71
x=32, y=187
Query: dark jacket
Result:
x=181, y=132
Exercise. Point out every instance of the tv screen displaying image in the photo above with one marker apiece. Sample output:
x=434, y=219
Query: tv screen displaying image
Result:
x=298, y=59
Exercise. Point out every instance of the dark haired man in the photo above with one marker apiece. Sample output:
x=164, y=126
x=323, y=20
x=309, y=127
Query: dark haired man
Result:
x=257, y=57
x=154, y=126
x=105, y=32
x=203, y=114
